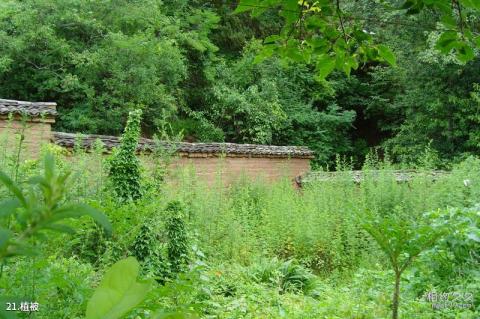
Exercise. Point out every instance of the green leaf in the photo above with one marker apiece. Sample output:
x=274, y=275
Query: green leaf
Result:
x=449, y=21
x=350, y=63
x=4, y=236
x=325, y=66
x=294, y=53
x=474, y=4
x=291, y=11
x=387, y=54
x=10, y=185
x=465, y=53
x=442, y=6
x=78, y=210
x=8, y=207
x=447, y=41
x=271, y=39
x=246, y=5
x=61, y=228
x=315, y=22
x=319, y=44
x=119, y=292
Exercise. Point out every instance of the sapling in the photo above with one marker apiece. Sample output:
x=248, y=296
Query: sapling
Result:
x=402, y=238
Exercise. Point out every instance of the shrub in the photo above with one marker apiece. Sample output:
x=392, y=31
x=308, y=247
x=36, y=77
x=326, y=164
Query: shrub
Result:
x=287, y=276
x=88, y=245
x=39, y=208
x=177, y=246
x=61, y=286
x=124, y=164
x=147, y=248
x=456, y=255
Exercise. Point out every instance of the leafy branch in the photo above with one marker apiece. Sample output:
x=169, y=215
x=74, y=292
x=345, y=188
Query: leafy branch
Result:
x=38, y=208
x=334, y=42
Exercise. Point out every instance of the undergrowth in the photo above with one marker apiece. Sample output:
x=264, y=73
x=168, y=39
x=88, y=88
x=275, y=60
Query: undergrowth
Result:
x=256, y=250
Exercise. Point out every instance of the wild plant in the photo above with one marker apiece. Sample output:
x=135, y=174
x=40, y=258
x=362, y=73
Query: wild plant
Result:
x=124, y=165
x=177, y=246
x=402, y=238
x=38, y=208
x=147, y=247
x=89, y=244
x=164, y=151
x=119, y=291
x=455, y=255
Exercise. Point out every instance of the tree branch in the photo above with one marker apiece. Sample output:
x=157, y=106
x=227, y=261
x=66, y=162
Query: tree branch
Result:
x=339, y=14
x=459, y=9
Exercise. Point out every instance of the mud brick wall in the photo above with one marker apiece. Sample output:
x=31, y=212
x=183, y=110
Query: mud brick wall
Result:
x=231, y=168
x=210, y=161
x=35, y=134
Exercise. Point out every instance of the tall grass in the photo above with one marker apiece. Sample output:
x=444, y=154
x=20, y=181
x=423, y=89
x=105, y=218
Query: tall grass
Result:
x=319, y=225
x=267, y=234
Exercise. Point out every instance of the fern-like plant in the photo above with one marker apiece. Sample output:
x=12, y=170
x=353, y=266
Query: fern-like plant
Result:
x=124, y=165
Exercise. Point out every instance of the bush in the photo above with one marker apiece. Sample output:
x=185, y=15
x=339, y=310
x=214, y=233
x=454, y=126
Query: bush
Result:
x=124, y=164
x=148, y=248
x=177, y=246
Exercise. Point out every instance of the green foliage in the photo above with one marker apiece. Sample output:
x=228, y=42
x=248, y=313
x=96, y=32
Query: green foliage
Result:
x=201, y=69
x=267, y=250
x=89, y=244
x=177, y=246
x=456, y=253
x=328, y=34
x=52, y=281
x=288, y=276
x=119, y=291
x=144, y=242
x=39, y=208
x=402, y=238
x=148, y=247
x=274, y=103
x=124, y=165
x=96, y=59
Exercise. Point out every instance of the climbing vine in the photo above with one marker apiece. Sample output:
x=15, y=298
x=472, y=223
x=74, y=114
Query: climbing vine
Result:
x=177, y=246
x=124, y=165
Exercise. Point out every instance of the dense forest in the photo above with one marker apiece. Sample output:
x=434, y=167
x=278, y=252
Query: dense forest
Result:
x=189, y=66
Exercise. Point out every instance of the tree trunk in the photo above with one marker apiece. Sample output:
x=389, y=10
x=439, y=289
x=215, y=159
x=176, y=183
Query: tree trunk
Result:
x=396, y=296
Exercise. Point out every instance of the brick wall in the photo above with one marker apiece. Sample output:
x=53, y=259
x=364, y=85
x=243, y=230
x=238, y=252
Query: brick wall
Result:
x=36, y=133
x=206, y=166
x=231, y=168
